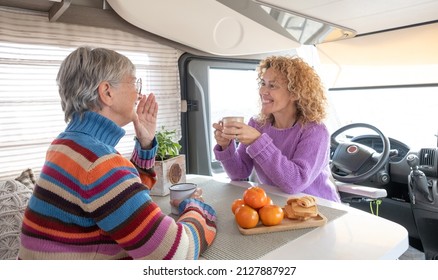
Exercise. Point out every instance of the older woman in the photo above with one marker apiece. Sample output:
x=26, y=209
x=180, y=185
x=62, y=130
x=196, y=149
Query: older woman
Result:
x=287, y=144
x=92, y=203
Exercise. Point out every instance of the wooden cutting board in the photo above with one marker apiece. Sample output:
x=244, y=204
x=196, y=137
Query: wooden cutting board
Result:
x=286, y=224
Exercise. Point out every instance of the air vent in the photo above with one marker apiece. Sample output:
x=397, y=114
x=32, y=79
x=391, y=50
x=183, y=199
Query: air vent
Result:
x=427, y=157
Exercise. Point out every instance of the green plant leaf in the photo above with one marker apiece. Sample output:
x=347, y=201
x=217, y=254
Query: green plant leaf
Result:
x=167, y=147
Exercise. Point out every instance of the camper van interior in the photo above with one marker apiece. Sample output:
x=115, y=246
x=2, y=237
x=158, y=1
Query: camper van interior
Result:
x=378, y=61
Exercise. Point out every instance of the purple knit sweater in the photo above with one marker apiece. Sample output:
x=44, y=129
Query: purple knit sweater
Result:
x=296, y=159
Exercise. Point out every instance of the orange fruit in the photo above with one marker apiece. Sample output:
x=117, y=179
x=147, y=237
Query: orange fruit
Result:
x=269, y=201
x=255, y=197
x=246, y=217
x=271, y=215
x=236, y=203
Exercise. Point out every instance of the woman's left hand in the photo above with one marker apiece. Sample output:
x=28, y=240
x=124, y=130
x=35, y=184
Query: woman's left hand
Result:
x=145, y=122
x=241, y=132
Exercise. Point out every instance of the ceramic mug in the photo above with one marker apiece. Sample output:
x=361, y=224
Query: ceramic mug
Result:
x=231, y=119
x=181, y=191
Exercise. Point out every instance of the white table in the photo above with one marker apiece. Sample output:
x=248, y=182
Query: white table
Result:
x=356, y=235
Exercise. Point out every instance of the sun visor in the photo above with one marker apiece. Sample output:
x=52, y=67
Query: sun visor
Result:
x=399, y=57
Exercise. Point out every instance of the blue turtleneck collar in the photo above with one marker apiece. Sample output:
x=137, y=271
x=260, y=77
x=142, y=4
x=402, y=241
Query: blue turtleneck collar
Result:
x=97, y=126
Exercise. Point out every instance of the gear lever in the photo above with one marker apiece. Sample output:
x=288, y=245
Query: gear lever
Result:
x=418, y=179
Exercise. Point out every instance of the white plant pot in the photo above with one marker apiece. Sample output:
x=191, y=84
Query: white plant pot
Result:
x=170, y=171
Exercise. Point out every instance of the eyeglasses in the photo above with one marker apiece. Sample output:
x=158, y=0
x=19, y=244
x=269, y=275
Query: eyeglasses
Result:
x=137, y=84
x=269, y=86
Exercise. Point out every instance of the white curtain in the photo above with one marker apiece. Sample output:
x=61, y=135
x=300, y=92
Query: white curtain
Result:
x=31, y=50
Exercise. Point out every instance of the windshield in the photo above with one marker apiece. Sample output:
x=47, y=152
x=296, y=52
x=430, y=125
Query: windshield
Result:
x=403, y=113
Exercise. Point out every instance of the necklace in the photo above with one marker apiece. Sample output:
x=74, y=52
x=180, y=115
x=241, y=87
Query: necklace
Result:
x=295, y=122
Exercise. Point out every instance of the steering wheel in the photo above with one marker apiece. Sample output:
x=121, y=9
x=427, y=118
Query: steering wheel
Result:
x=353, y=162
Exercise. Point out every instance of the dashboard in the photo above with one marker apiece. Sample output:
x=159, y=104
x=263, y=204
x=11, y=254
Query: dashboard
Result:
x=374, y=141
x=398, y=167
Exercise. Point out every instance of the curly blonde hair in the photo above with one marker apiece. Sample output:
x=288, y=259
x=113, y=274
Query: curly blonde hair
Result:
x=302, y=81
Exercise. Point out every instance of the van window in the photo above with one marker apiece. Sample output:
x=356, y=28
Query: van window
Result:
x=405, y=113
x=30, y=110
x=213, y=88
x=233, y=92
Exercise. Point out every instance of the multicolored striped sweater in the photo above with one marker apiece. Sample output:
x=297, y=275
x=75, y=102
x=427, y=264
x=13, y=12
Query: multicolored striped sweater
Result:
x=90, y=203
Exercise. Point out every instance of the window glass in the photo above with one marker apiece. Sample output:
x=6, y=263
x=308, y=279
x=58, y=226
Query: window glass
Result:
x=407, y=114
x=30, y=111
x=233, y=92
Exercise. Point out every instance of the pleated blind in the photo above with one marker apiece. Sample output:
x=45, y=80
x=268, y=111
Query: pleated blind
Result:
x=31, y=51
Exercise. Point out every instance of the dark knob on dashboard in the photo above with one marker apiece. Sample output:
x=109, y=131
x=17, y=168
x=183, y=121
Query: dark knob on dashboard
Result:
x=413, y=161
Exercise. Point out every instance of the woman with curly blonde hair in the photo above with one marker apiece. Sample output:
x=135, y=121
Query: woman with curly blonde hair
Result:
x=287, y=144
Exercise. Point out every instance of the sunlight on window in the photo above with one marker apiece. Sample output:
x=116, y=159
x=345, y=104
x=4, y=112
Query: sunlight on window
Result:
x=405, y=114
x=232, y=93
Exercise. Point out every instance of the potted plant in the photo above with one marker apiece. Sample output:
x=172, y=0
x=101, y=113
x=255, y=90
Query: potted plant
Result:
x=169, y=163
x=167, y=147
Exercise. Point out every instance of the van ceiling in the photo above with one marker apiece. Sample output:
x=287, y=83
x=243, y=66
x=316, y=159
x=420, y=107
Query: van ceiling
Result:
x=212, y=27
x=215, y=28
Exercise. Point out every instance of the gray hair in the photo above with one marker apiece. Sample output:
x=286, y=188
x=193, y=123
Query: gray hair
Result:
x=81, y=73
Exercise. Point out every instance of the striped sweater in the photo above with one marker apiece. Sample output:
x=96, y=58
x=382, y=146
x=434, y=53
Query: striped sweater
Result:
x=92, y=203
